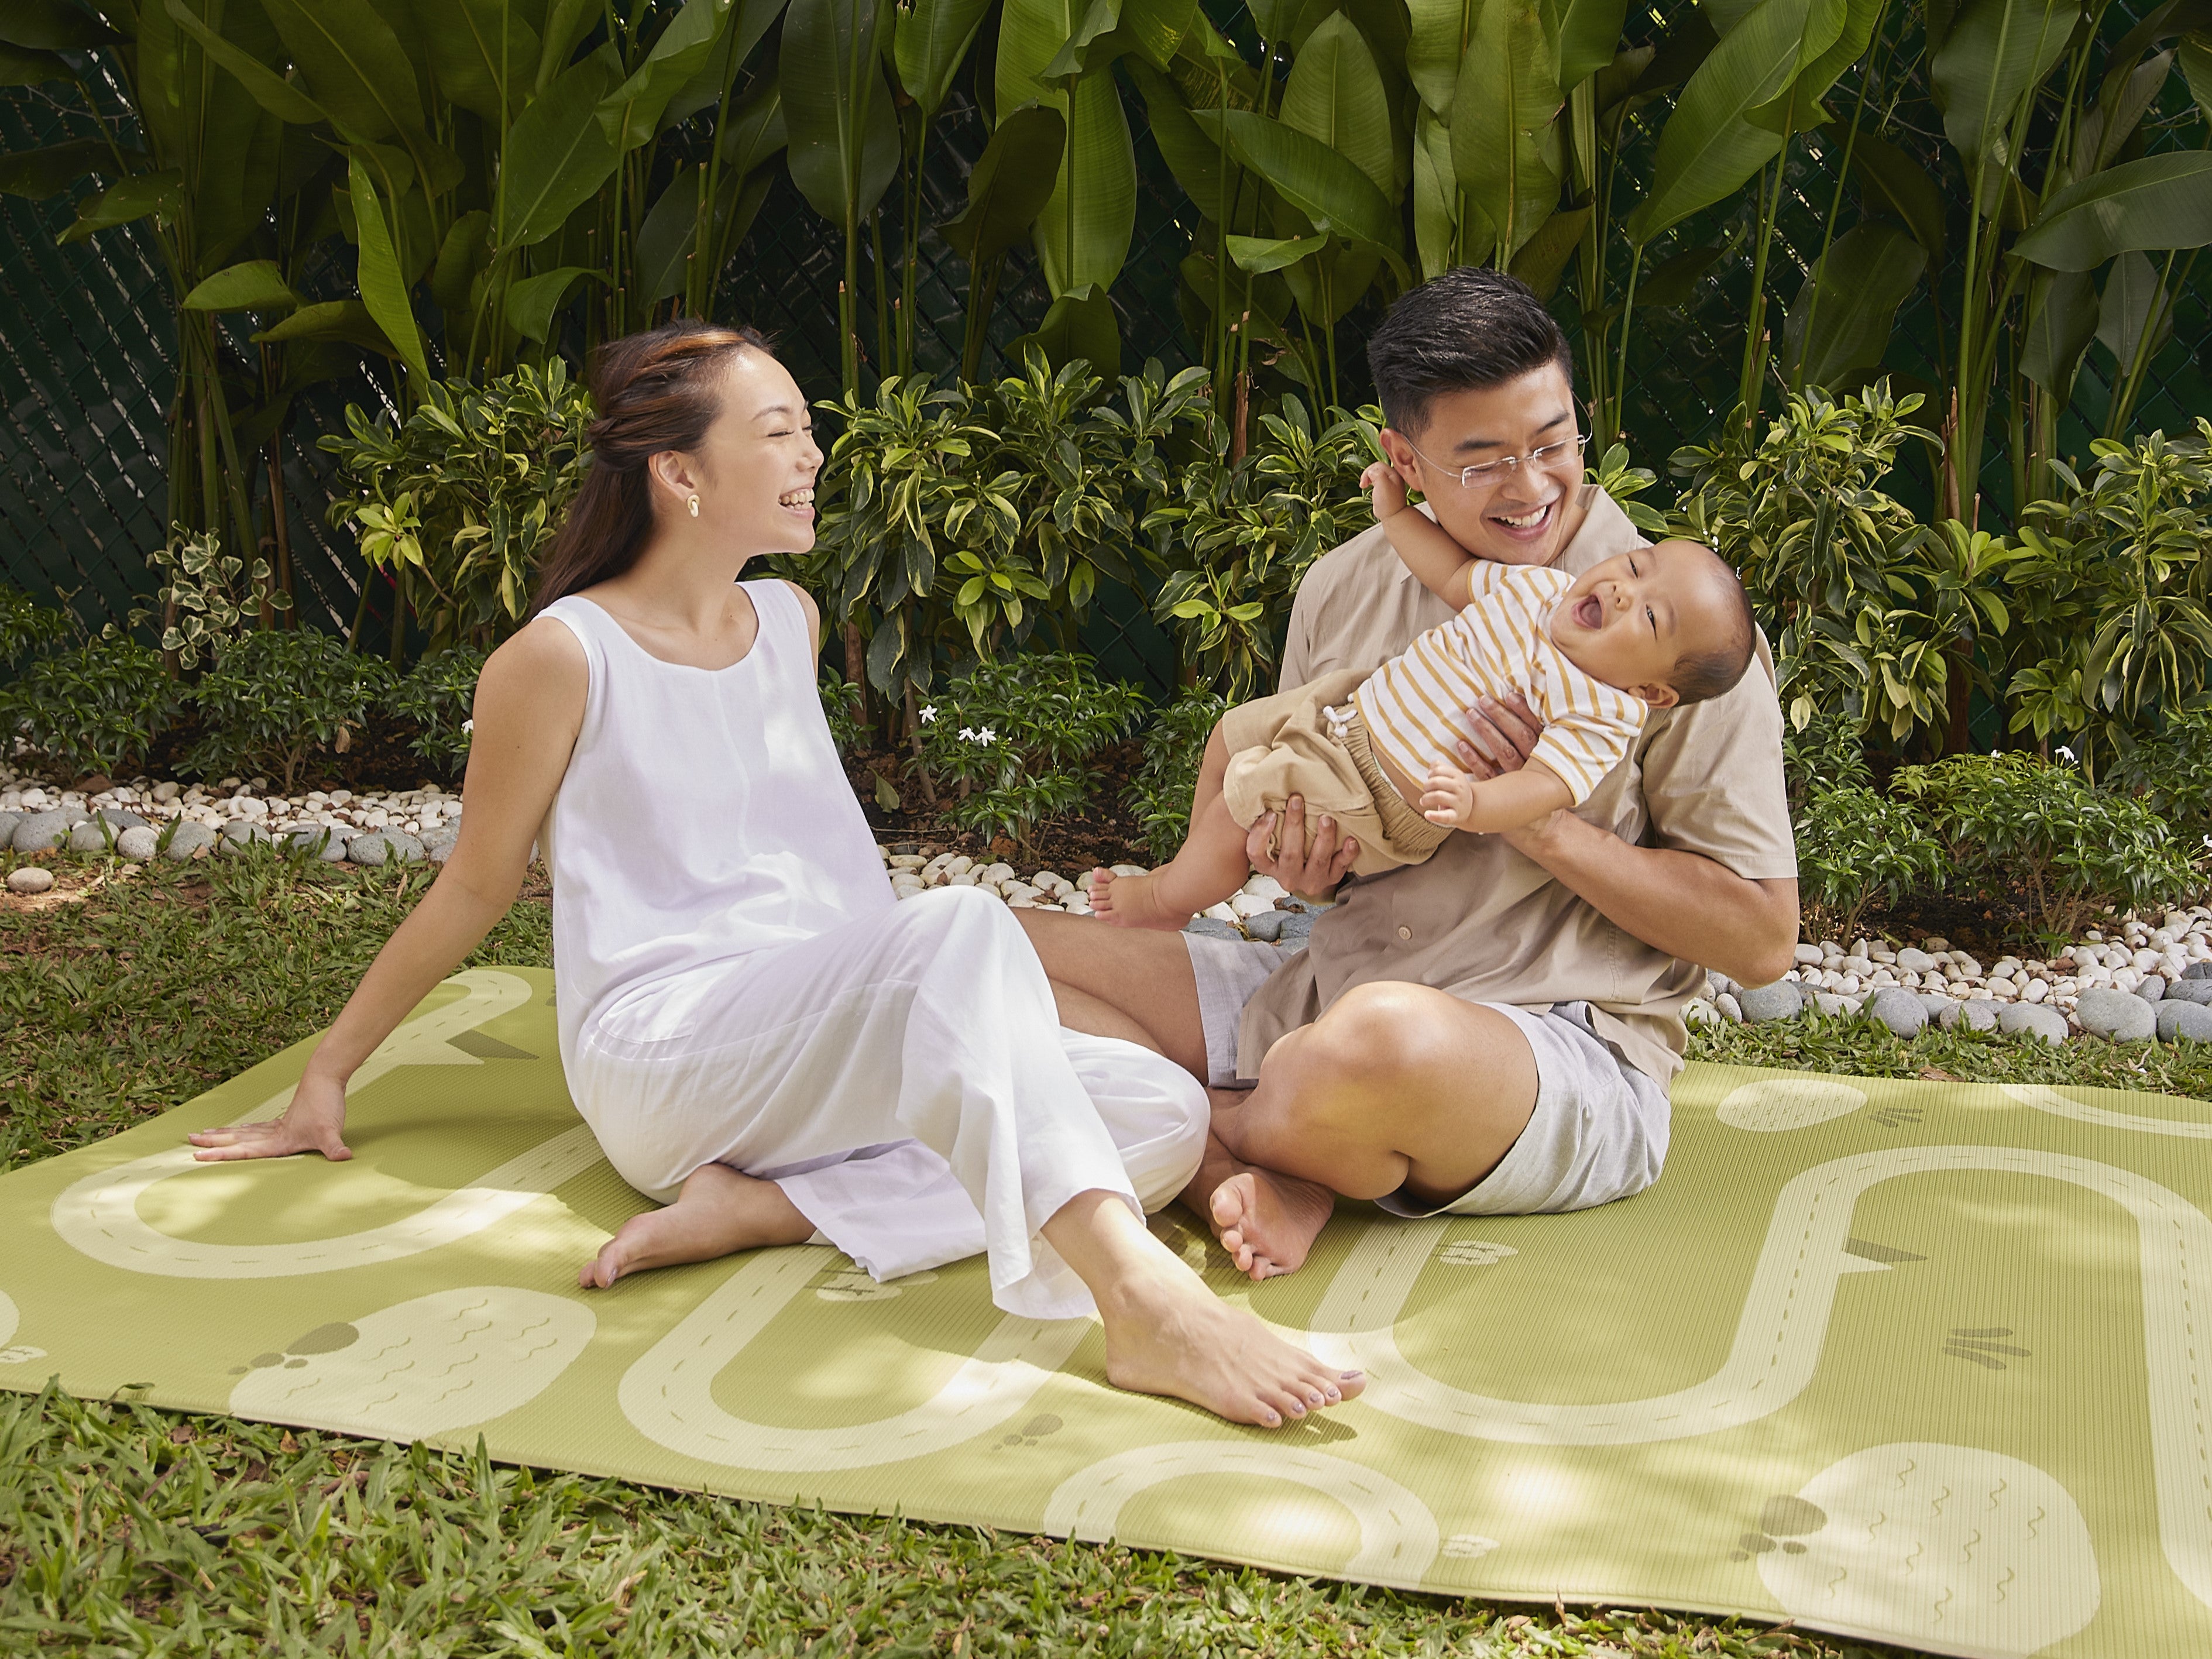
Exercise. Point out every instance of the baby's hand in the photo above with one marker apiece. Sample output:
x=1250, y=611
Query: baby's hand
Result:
x=1381, y=479
x=1448, y=797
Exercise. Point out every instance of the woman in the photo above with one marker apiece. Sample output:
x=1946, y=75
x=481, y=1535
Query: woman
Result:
x=751, y=1025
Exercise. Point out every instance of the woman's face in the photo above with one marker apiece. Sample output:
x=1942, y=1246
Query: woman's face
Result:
x=756, y=469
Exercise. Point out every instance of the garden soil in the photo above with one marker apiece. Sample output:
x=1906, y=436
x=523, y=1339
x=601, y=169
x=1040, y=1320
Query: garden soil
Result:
x=1904, y=1360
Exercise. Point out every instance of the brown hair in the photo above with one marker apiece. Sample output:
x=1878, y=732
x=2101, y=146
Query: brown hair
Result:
x=1700, y=675
x=653, y=391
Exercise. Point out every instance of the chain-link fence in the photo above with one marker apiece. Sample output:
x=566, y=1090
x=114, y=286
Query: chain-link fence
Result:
x=88, y=359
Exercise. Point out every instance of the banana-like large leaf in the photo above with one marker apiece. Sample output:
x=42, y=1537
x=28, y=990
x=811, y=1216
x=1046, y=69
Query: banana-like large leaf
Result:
x=532, y=302
x=2135, y=302
x=1335, y=95
x=52, y=25
x=268, y=88
x=1080, y=327
x=1708, y=148
x=557, y=156
x=383, y=289
x=2120, y=109
x=1013, y=180
x=931, y=45
x=127, y=199
x=483, y=52
x=748, y=25
x=844, y=137
x=2062, y=320
x=1894, y=182
x=1507, y=97
x=38, y=174
x=1331, y=282
x=25, y=66
x=1192, y=156
x=256, y=285
x=666, y=241
x=1437, y=42
x=567, y=23
x=1082, y=233
x=1850, y=297
x=631, y=112
x=2196, y=65
x=2162, y=201
x=1588, y=37
x=355, y=67
x=1543, y=258
x=1996, y=51
x=1435, y=197
x=342, y=322
x=1823, y=56
x=1331, y=192
x=756, y=128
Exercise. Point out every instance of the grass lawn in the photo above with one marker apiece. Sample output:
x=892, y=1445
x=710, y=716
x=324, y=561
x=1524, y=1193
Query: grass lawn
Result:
x=126, y=1530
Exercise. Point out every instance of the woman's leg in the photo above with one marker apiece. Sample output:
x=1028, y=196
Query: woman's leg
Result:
x=718, y=1213
x=1210, y=866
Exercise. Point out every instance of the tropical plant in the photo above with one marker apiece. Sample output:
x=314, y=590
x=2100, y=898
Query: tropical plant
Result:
x=96, y=708
x=272, y=699
x=1855, y=847
x=1828, y=752
x=459, y=501
x=1174, y=748
x=202, y=596
x=2013, y=820
x=1015, y=739
x=438, y=695
x=26, y=626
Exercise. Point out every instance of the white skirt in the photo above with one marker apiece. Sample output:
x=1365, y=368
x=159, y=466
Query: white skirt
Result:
x=906, y=1079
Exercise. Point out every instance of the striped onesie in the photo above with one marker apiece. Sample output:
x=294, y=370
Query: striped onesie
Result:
x=1412, y=705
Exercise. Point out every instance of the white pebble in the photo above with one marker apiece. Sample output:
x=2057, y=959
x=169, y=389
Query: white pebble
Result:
x=30, y=878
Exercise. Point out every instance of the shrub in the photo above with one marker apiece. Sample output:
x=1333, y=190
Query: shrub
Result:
x=200, y=588
x=26, y=626
x=839, y=694
x=2173, y=772
x=437, y=694
x=1827, y=752
x=1174, y=745
x=1016, y=739
x=2077, y=849
x=272, y=699
x=97, y=708
x=1855, y=846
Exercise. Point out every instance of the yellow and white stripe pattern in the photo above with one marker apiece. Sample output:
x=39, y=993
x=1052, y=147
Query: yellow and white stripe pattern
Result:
x=1413, y=703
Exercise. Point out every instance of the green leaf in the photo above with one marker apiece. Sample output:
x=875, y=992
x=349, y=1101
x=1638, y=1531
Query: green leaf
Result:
x=24, y=66
x=127, y=199
x=345, y=322
x=1709, y=149
x=1892, y=181
x=1589, y=39
x=355, y=68
x=383, y=288
x=557, y=156
x=1996, y=51
x=256, y=285
x=1435, y=197
x=466, y=251
x=1543, y=258
x=1824, y=57
x=756, y=128
x=1436, y=44
x=532, y=302
x=567, y=23
x=631, y=112
x=263, y=84
x=931, y=44
x=485, y=54
x=1099, y=17
x=1335, y=95
x=666, y=241
x=2196, y=54
x=1194, y=158
x=1256, y=253
x=2062, y=320
x=52, y=26
x=1328, y=189
x=1082, y=233
x=1851, y=296
x=1011, y=181
x=1675, y=279
x=2161, y=202
x=2135, y=302
x=1507, y=97
x=38, y=174
x=844, y=137
x=748, y=25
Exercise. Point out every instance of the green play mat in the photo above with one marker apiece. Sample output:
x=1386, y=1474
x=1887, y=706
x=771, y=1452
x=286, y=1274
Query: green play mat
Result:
x=1919, y=1361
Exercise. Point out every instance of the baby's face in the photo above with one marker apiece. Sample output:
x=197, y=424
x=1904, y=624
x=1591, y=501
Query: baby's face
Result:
x=1628, y=621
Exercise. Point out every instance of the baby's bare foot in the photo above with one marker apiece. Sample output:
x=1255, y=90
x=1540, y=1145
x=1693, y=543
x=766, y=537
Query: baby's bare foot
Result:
x=1267, y=1221
x=1133, y=901
x=718, y=1212
x=1168, y=1334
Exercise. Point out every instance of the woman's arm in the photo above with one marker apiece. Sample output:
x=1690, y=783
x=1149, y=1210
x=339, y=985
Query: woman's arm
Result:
x=529, y=707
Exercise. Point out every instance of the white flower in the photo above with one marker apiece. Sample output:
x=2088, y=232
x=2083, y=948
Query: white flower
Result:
x=928, y=712
x=987, y=735
x=468, y=725
x=2065, y=754
x=967, y=734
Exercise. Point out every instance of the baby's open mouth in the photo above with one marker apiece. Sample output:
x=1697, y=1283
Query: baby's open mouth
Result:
x=1590, y=612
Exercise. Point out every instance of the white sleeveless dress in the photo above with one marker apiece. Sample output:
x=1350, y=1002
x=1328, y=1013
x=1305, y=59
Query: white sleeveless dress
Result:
x=736, y=985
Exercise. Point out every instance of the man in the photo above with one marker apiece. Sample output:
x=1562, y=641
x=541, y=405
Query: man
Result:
x=1491, y=1031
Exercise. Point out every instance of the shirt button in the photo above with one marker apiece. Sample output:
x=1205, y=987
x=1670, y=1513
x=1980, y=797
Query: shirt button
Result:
x=1405, y=932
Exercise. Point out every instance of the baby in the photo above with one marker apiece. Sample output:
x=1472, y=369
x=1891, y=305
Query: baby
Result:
x=1648, y=628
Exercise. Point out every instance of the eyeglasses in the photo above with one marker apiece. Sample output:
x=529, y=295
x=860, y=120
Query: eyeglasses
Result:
x=1542, y=459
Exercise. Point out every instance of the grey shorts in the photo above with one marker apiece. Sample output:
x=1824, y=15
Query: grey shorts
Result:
x=1599, y=1131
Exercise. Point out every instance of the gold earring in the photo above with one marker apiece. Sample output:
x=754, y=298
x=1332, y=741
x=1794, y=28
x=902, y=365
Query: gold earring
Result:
x=694, y=506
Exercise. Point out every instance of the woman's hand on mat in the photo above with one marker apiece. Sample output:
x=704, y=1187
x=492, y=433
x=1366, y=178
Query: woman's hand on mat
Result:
x=314, y=1123
x=1504, y=734
x=1278, y=846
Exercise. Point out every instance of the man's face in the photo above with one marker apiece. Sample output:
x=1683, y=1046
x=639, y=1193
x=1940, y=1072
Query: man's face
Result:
x=1515, y=514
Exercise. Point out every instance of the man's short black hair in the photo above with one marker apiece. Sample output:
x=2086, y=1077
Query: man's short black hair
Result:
x=1699, y=676
x=1462, y=331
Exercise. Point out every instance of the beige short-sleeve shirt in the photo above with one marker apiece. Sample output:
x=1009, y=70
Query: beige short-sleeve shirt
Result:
x=1481, y=920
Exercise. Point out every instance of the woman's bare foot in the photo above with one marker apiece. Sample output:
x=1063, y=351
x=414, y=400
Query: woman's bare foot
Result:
x=1166, y=1334
x=1133, y=901
x=719, y=1212
x=1267, y=1221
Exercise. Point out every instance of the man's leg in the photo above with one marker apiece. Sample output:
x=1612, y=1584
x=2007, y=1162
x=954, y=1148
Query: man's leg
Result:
x=1395, y=1086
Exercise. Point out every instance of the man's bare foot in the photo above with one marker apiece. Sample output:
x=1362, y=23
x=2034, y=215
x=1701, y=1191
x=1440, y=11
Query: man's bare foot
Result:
x=718, y=1212
x=1166, y=1334
x=1267, y=1221
x=1133, y=901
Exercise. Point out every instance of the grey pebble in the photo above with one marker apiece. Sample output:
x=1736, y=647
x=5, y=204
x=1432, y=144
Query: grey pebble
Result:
x=2183, y=1022
x=139, y=844
x=41, y=831
x=1205, y=926
x=1780, y=1001
x=1976, y=1016
x=2198, y=970
x=2153, y=989
x=89, y=837
x=1900, y=1010
x=122, y=818
x=2033, y=1017
x=2189, y=990
x=1728, y=1005
x=8, y=823
x=189, y=837
x=31, y=879
x=239, y=834
x=369, y=849
x=1936, y=1002
x=322, y=841
x=1268, y=925
x=2122, y=1016
x=404, y=848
